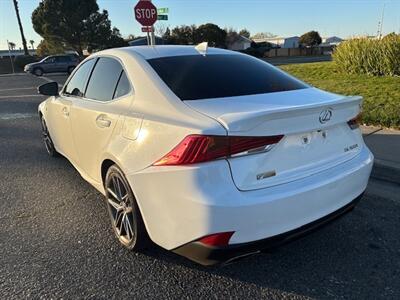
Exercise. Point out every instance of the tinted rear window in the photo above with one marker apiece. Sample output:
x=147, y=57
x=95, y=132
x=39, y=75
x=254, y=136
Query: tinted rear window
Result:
x=214, y=76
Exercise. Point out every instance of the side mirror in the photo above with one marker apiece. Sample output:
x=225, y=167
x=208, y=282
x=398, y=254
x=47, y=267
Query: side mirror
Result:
x=49, y=89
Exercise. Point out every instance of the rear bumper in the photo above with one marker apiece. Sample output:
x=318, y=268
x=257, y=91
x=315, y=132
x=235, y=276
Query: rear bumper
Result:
x=184, y=203
x=207, y=255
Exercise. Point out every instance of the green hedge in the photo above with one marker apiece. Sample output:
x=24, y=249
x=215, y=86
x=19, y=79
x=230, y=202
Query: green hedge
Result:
x=376, y=57
x=381, y=93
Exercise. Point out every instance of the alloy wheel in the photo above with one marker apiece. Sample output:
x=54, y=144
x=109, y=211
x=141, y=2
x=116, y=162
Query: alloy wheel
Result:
x=46, y=139
x=121, y=209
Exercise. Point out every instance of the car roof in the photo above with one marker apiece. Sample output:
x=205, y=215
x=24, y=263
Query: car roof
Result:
x=150, y=52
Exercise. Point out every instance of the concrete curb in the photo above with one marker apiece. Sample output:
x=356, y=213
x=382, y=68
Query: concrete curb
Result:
x=386, y=171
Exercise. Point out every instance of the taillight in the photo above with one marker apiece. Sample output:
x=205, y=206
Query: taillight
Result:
x=217, y=239
x=355, y=122
x=201, y=148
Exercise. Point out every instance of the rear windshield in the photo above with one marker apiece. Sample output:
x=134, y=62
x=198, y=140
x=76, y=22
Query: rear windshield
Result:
x=197, y=77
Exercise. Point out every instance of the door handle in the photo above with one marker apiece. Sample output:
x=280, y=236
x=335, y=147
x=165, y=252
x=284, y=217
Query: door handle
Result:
x=65, y=111
x=103, y=122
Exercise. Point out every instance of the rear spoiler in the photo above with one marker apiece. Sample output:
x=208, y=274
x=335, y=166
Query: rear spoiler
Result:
x=343, y=109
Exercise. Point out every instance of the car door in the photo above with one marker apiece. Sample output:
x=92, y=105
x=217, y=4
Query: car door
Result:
x=59, y=109
x=94, y=117
x=61, y=63
x=50, y=65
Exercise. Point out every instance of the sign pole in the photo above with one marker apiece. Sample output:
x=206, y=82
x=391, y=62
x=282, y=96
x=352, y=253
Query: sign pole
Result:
x=146, y=15
x=153, y=37
x=9, y=53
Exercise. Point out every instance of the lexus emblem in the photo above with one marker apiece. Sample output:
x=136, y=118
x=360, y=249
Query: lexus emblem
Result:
x=325, y=116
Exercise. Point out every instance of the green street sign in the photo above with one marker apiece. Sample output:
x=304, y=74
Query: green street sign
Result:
x=162, y=17
x=163, y=10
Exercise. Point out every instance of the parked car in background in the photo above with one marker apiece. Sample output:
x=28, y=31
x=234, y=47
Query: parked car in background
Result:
x=53, y=64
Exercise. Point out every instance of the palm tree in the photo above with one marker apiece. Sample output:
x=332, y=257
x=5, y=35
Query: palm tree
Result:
x=32, y=42
x=11, y=45
x=20, y=27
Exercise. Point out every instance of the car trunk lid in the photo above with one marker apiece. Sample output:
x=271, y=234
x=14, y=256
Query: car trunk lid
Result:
x=314, y=125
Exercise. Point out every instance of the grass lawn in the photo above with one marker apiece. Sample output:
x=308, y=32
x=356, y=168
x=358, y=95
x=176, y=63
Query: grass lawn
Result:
x=381, y=94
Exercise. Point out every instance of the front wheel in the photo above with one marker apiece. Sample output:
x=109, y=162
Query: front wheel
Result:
x=51, y=150
x=126, y=220
x=38, y=72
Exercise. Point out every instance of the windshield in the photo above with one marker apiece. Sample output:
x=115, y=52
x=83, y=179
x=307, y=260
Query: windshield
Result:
x=195, y=77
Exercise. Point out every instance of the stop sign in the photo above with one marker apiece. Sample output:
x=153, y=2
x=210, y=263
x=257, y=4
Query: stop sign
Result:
x=145, y=13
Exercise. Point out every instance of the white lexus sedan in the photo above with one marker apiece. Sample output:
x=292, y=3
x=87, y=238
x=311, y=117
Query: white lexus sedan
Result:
x=209, y=153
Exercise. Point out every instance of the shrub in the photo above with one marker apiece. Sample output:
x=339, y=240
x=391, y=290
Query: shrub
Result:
x=23, y=60
x=374, y=57
x=257, y=49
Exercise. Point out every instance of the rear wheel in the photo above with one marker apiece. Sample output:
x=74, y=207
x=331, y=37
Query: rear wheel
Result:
x=38, y=72
x=51, y=150
x=126, y=220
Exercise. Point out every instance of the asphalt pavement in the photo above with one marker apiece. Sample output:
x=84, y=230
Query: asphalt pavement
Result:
x=56, y=240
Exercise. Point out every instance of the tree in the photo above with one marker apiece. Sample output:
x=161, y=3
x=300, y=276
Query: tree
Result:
x=211, y=33
x=244, y=32
x=48, y=47
x=160, y=28
x=75, y=23
x=32, y=42
x=21, y=30
x=167, y=36
x=263, y=35
x=192, y=35
x=183, y=35
x=231, y=37
x=310, y=39
x=11, y=45
x=99, y=34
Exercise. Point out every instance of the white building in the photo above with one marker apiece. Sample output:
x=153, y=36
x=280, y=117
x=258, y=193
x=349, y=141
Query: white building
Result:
x=6, y=53
x=282, y=42
x=241, y=44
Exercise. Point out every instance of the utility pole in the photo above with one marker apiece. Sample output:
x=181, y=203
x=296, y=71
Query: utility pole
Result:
x=20, y=27
x=380, y=23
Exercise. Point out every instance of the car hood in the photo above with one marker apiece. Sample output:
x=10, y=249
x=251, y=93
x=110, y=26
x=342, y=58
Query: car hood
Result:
x=32, y=64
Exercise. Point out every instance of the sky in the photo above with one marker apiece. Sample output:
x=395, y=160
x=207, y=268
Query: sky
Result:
x=343, y=18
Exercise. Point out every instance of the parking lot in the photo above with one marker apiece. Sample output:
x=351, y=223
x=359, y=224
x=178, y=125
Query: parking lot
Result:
x=56, y=240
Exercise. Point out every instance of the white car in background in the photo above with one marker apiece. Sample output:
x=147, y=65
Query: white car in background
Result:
x=209, y=153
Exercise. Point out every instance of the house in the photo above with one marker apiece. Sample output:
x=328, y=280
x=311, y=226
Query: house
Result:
x=242, y=43
x=331, y=41
x=281, y=42
x=142, y=41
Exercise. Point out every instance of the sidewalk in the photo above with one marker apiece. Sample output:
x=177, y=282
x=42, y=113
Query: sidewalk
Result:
x=385, y=145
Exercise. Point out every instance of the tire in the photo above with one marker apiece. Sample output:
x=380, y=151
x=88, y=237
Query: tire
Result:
x=70, y=69
x=38, y=72
x=125, y=216
x=51, y=150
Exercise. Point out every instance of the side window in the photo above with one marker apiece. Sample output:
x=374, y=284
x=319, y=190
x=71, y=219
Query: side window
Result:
x=123, y=86
x=76, y=86
x=104, y=79
x=62, y=59
x=51, y=59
